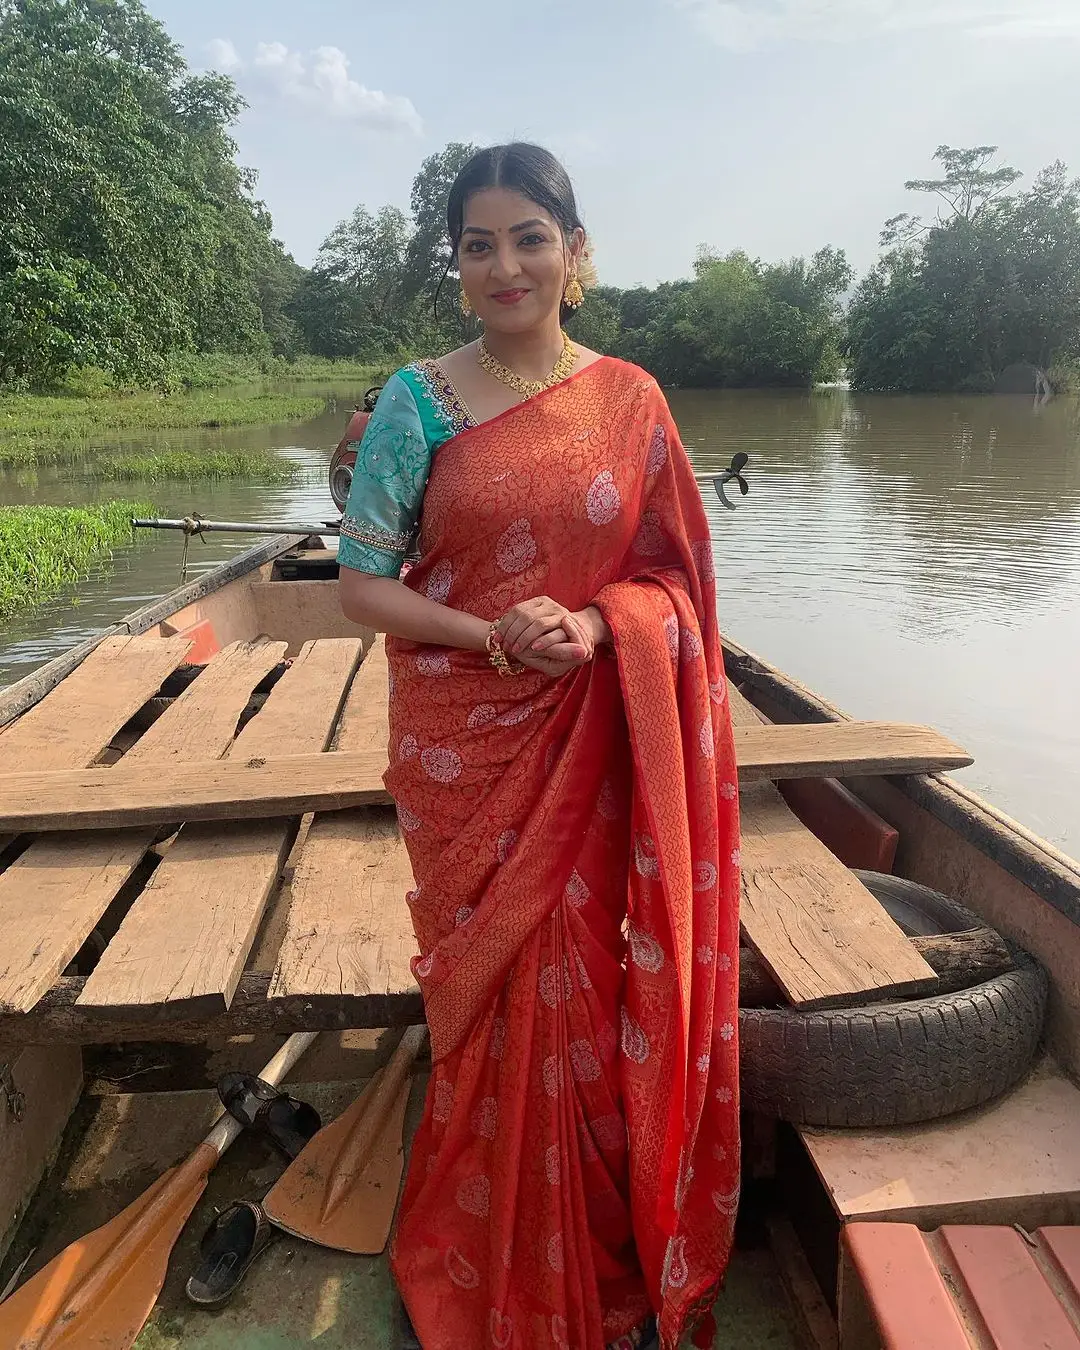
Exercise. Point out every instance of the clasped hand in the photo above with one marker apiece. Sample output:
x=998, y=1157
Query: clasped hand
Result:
x=546, y=636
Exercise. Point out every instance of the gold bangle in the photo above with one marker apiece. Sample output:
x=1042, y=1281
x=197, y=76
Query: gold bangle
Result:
x=497, y=656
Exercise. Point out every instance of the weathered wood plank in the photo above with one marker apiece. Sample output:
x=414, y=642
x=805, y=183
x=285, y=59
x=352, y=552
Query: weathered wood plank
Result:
x=53, y=895
x=186, y=937
x=959, y=960
x=842, y=749
x=819, y=930
x=260, y=1005
x=365, y=720
x=288, y=785
x=349, y=930
x=58, y=1019
x=74, y=723
x=743, y=712
x=235, y=789
x=51, y=1080
x=793, y=883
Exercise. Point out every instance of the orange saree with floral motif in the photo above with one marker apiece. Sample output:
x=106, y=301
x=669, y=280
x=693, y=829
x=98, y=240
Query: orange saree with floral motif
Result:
x=575, y=849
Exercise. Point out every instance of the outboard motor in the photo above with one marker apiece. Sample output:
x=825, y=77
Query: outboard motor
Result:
x=344, y=460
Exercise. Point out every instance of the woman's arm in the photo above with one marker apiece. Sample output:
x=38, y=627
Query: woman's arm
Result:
x=387, y=606
x=384, y=604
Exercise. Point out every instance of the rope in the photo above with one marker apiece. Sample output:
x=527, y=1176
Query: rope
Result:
x=192, y=525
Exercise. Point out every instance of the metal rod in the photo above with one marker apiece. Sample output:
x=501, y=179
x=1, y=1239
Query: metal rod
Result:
x=196, y=525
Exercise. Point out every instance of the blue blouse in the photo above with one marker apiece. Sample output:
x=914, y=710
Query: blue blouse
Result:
x=418, y=411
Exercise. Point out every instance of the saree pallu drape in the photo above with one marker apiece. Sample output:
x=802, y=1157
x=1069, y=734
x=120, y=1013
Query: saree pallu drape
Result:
x=574, y=843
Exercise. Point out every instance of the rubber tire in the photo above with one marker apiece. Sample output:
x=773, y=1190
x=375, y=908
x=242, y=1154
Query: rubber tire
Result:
x=895, y=1063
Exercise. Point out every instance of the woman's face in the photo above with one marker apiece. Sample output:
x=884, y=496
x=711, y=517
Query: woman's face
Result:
x=513, y=260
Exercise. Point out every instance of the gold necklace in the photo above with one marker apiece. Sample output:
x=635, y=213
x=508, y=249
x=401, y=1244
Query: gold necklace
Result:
x=563, y=367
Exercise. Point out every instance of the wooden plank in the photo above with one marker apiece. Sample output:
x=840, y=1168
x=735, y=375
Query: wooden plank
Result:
x=234, y=789
x=816, y=1323
x=818, y=929
x=349, y=930
x=186, y=937
x=51, y=1081
x=73, y=724
x=959, y=960
x=288, y=785
x=53, y=895
x=58, y=1019
x=743, y=712
x=365, y=720
x=842, y=749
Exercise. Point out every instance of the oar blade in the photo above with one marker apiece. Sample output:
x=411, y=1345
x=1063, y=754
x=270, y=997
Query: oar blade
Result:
x=98, y=1293
x=341, y=1192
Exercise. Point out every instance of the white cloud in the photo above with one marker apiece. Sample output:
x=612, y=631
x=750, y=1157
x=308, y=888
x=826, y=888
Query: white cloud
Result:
x=320, y=79
x=744, y=24
x=223, y=55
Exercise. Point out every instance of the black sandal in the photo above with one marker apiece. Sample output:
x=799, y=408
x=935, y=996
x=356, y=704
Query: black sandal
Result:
x=238, y=1235
x=645, y=1337
x=261, y=1107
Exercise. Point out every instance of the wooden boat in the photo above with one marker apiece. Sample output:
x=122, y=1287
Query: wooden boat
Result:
x=201, y=946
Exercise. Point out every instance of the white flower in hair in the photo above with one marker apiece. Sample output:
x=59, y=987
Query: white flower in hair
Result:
x=586, y=269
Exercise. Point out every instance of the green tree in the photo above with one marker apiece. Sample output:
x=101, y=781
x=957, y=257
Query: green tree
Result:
x=127, y=230
x=429, y=256
x=741, y=322
x=996, y=282
x=368, y=253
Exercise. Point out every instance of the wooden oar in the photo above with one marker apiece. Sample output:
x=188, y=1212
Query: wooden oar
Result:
x=98, y=1293
x=342, y=1190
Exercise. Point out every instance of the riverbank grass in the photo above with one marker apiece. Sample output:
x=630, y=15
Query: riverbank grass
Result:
x=187, y=466
x=52, y=430
x=43, y=549
x=216, y=370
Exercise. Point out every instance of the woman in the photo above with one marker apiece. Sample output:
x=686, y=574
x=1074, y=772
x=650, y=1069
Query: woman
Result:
x=562, y=763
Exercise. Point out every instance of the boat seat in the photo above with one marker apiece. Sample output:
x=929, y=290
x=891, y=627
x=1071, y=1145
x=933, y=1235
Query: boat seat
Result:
x=961, y=1287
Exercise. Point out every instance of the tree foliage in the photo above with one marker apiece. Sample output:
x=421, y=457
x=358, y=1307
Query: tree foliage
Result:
x=993, y=282
x=127, y=230
x=738, y=322
x=131, y=239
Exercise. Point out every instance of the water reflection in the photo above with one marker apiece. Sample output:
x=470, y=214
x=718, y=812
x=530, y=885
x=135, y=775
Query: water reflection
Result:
x=916, y=558
x=140, y=574
x=911, y=558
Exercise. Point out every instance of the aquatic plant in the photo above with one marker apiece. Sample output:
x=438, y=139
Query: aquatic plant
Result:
x=54, y=430
x=178, y=466
x=43, y=549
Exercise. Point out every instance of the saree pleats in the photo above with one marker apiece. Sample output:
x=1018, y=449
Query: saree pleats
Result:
x=575, y=849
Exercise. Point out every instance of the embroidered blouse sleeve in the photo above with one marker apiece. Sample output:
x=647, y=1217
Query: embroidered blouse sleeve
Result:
x=389, y=478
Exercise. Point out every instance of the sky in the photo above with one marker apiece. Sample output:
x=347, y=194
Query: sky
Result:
x=777, y=126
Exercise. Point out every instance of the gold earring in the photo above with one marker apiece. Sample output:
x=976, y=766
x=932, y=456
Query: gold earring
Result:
x=573, y=295
x=466, y=308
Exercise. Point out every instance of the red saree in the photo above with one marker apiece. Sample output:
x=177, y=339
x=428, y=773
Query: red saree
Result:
x=575, y=848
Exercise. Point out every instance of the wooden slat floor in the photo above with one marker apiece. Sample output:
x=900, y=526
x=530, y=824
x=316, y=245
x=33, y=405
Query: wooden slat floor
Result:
x=213, y=930
x=238, y=927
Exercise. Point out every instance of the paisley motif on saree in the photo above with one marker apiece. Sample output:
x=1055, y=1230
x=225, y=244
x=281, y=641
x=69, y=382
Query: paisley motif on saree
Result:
x=575, y=849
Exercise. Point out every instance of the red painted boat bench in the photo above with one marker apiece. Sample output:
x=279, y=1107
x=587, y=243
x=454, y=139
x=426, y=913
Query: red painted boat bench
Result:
x=963, y=1287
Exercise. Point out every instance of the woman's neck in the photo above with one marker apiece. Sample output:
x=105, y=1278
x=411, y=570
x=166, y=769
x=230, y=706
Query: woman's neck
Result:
x=531, y=354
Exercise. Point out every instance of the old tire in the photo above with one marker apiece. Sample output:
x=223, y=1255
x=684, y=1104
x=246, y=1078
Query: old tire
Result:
x=895, y=1063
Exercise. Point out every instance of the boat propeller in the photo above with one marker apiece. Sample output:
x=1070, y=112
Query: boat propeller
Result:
x=732, y=474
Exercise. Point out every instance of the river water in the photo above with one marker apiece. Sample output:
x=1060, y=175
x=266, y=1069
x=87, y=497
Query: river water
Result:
x=911, y=559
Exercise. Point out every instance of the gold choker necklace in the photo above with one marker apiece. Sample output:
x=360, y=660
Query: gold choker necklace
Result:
x=564, y=366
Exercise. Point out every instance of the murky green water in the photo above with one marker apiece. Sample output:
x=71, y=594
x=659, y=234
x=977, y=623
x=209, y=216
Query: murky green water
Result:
x=910, y=558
